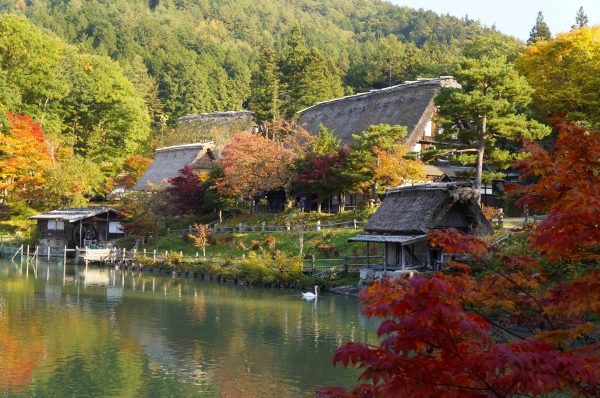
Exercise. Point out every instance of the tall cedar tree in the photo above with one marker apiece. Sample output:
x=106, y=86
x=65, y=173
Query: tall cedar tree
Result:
x=565, y=72
x=307, y=76
x=509, y=331
x=264, y=100
x=489, y=107
x=540, y=30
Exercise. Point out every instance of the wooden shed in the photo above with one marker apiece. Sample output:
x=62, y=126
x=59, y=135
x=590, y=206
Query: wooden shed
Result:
x=407, y=214
x=89, y=226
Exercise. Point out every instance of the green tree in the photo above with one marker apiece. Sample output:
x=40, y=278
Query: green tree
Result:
x=72, y=182
x=307, y=76
x=490, y=107
x=540, y=30
x=264, y=101
x=581, y=19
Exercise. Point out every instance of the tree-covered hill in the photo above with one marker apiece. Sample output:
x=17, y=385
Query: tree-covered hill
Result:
x=189, y=56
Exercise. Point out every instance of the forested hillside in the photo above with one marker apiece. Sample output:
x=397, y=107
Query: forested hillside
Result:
x=189, y=56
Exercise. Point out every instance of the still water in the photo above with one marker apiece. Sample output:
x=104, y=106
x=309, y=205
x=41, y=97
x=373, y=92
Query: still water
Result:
x=98, y=332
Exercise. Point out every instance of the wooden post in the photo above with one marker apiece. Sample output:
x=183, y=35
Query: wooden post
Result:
x=123, y=255
x=220, y=217
x=346, y=265
x=27, y=253
x=314, y=263
x=65, y=255
x=262, y=226
x=154, y=255
x=318, y=225
x=48, y=252
x=288, y=227
x=240, y=227
x=368, y=254
x=354, y=221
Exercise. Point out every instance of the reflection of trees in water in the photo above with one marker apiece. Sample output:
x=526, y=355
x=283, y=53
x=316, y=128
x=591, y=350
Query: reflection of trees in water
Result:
x=237, y=339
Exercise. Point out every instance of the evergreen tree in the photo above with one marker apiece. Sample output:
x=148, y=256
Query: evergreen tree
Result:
x=487, y=108
x=307, y=76
x=264, y=101
x=581, y=19
x=326, y=143
x=540, y=30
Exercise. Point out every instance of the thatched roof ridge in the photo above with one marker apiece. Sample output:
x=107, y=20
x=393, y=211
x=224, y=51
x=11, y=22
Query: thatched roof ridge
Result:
x=74, y=214
x=216, y=116
x=167, y=163
x=419, y=209
x=409, y=104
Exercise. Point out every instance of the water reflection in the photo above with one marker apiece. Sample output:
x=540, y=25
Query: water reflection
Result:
x=99, y=332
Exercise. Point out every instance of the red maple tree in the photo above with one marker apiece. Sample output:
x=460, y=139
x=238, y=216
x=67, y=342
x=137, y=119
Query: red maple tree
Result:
x=508, y=330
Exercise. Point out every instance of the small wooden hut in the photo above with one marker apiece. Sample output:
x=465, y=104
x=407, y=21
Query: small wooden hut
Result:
x=407, y=214
x=93, y=226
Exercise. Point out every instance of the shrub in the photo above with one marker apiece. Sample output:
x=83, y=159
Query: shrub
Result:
x=270, y=242
x=254, y=245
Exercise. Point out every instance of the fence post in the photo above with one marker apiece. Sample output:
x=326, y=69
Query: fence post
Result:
x=240, y=227
x=288, y=227
x=314, y=263
x=318, y=225
x=48, y=252
x=354, y=221
x=346, y=265
x=27, y=253
x=65, y=255
x=262, y=226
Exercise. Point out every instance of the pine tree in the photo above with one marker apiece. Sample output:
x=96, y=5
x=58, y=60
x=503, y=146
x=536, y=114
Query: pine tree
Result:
x=581, y=19
x=540, y=30
x=487, y=108
x=264, y=100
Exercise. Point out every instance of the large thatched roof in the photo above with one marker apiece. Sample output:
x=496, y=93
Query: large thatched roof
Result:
x=410, y=104
x=168, y=161
x=419, y=209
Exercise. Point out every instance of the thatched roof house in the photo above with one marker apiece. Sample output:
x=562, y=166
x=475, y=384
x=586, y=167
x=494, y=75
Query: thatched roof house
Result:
x=170, y=160
x=410, y=104
x=407, y=214
x=217, y=127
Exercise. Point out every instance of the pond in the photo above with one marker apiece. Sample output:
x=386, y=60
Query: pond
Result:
x=98, y=332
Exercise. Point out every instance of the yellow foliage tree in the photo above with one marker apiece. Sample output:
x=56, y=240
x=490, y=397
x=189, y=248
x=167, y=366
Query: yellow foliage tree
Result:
x=565, y=75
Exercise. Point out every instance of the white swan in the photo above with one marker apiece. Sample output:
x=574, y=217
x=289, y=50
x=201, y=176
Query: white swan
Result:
x=310, y=295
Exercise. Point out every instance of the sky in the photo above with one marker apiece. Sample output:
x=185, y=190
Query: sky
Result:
x=513, y=17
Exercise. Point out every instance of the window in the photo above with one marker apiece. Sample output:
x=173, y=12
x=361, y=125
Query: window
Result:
x=115, y=227
x=428, y=129
x=56, y=225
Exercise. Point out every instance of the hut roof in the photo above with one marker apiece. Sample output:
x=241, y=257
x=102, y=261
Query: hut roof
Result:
x=168, y=161
x=450, y=170
x=419, y=209
x=410, y=104
x=74, y=214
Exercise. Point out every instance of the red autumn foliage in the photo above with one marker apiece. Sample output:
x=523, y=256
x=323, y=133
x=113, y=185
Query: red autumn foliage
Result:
x=567, y=189
x=186, y=192
x=508, y=331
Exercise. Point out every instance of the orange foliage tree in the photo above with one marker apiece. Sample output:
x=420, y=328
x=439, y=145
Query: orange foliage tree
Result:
x=508, y=330
x=24, y=158
x=254, y=164
x=133, y=168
